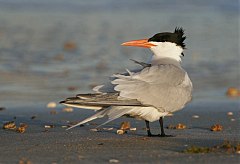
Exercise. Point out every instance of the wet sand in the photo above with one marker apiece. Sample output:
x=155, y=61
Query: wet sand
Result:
x=50, y=51
x=81, y=145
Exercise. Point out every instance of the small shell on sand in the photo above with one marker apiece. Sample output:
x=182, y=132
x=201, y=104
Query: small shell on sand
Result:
x=178, y=126
x=108, y=129
x=67, y=109
x=230, y=113
x=94, y=130
x=181, y=126
x=133, y=129
x=49, y=126
x=233, y=92
x=21, y=129
x=120, y=131
x=195, y=116
x=9, y=125
x=113, y=161
x=51, y=105
x=216, y=128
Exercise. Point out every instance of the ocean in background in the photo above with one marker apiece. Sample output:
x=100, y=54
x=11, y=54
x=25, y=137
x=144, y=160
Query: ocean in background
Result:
x=50, y=50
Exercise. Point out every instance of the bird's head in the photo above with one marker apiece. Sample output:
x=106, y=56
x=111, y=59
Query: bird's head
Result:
x=163, y=45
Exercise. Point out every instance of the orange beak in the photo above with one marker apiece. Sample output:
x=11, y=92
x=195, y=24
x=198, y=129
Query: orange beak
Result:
x=139, y=43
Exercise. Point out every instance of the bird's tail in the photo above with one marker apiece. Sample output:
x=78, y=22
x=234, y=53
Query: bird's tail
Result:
x=112, y=113
x=99, y=114
x=106, y=104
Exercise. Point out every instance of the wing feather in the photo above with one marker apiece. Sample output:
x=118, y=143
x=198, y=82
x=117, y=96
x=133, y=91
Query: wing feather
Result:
x=158, y=86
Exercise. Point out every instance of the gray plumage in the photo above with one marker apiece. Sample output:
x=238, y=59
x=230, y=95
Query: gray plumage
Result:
x=147, y=93
x=150, y=93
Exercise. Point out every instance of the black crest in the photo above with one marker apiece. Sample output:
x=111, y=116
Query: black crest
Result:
x=180, y=35
x=176, y=37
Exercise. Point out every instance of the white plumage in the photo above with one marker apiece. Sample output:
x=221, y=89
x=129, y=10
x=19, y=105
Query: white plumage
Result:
x=159, y=88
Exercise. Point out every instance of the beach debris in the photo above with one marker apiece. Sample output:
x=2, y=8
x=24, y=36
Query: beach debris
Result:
x=67, y=109
x=53, y=112
x=94, y=130
x=2, y=108
x=216, y=127
x=226, y=146
x=120, y=131
x=133, y=129
x=238, y=148
x=70, y=46
x=49, y=126
x=179, y=126
x=51, y=105
x=195, y=116
x=113, y=161
x=233, y=92
x=22, y=128
x=125, y=125
x=24, y=161
x=64, y=126
x=108, y=129
x=232, y=119
x=33, y=117
x=10, y=125
x=197, y=149
x=230, y=113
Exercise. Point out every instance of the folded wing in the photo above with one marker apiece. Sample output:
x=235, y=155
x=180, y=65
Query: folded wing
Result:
x=159, y=86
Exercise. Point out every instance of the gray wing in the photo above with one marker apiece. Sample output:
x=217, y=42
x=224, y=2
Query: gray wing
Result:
x=159, y=86
x=109, y=87
x=100, y=100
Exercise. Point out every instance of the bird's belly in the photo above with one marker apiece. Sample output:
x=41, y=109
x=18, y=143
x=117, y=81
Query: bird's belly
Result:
x=147, y=113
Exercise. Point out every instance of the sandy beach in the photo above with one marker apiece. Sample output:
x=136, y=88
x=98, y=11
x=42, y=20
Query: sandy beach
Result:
x=81, y=145
x=53, y=50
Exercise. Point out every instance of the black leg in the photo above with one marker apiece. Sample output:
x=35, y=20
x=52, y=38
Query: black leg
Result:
x=148, y=128
x=162, y=129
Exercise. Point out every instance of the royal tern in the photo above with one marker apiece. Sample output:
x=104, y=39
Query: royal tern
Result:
x=161, y=87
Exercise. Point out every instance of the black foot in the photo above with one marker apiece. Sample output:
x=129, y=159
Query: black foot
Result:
x=153, y=135
x=165, y=135
x=159, y=135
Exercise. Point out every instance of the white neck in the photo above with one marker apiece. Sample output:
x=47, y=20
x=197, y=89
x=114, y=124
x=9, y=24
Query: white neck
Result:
x=166, y=50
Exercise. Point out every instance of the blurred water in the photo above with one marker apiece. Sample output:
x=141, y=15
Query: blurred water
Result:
x=35, y=68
